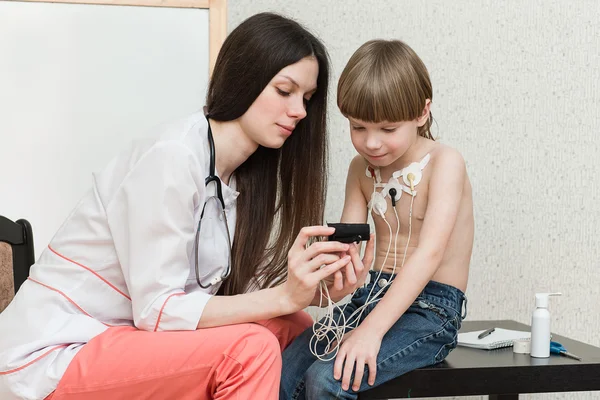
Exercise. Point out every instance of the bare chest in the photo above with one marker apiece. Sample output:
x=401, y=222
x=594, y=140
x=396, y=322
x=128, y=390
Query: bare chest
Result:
x=396, y=208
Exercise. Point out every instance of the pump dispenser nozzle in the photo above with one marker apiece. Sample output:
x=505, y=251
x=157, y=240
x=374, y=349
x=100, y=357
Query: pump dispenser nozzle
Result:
x=541, y=299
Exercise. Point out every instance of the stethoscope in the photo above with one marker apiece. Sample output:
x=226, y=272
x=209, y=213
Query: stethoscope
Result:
x=220, y=201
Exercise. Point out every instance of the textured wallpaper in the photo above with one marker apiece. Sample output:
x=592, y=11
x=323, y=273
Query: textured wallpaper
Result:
x=516, y=90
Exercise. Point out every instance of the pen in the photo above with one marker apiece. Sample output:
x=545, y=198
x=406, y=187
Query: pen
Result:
x=486, y=333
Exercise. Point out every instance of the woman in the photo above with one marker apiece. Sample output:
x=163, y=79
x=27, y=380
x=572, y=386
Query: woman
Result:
x=151, y=287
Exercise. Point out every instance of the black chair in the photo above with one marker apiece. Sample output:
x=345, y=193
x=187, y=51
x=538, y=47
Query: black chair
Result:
x=16, y=257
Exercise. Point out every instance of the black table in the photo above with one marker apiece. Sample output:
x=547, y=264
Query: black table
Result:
x=500, y=373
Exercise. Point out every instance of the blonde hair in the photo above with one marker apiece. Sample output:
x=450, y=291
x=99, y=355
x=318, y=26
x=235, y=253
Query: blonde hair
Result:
x=385, y=80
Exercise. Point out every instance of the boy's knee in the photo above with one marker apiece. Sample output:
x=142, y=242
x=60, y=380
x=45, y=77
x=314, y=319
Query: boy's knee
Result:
x=320, y=381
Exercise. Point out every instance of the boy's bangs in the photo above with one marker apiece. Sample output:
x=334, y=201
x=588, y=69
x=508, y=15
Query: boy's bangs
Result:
x=375, y=100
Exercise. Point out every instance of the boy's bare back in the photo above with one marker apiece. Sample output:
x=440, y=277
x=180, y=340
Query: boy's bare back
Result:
x=447, y=233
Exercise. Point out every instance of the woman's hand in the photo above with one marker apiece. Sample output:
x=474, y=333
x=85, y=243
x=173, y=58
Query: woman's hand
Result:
x=308, y=266
x=347, y=280
x=359, y=347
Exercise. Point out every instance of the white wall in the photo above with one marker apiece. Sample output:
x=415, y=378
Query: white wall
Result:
x=77, y=83
x=516, y=90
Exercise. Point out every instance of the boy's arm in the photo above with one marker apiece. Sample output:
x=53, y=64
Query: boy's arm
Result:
x=355, y=204
x=445, y=193
x=343, y=283
x=355, y=211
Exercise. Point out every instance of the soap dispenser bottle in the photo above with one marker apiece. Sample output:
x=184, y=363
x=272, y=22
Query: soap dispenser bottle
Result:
x=540, y=326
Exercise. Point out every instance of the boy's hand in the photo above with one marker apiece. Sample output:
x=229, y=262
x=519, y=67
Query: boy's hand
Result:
x=359, y=347
x=357, y=270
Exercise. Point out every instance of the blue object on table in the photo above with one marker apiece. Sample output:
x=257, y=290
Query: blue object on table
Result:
x=557, y=348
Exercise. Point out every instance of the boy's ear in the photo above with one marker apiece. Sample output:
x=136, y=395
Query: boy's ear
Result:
x=425, y=115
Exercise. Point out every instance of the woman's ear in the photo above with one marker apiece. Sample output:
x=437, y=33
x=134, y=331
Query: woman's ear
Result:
x=425, y=115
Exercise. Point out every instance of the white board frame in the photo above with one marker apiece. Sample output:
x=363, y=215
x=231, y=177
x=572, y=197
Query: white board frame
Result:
x=217, y=11
x=45, y=218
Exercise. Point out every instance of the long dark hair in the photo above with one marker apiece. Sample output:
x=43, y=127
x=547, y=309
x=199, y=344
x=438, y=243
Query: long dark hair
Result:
x=281, y=190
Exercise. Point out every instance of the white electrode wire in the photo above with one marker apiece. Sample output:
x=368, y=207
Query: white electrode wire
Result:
x=338, y=328
x=371, y=300
x=409, y=229
x=396, y=240
x=353, y=318
x=322, y=329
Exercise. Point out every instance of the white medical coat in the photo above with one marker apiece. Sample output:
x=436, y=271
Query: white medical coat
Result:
x=125, y=256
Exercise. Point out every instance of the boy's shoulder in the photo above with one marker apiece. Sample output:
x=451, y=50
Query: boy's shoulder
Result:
x=445, y=156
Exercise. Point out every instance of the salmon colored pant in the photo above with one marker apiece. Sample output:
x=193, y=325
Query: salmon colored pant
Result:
x=240, y=362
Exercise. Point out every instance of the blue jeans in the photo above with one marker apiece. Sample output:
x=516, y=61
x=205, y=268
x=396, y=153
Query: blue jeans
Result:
x=424, y=335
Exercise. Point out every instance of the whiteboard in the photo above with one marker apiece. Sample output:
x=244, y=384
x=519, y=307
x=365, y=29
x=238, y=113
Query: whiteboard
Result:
x=78, y=82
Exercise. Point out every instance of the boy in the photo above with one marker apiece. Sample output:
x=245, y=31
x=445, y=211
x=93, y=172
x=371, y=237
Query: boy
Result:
x=419, y=195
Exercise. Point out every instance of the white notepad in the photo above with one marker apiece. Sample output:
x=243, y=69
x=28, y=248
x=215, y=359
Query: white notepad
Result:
x=497, y=339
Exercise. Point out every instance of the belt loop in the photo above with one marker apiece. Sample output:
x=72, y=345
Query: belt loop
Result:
x=464, y=306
